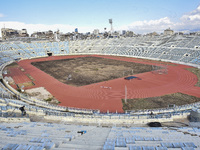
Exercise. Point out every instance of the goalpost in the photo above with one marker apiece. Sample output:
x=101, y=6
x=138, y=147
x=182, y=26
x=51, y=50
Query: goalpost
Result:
x=128, y=72
x=161, y=69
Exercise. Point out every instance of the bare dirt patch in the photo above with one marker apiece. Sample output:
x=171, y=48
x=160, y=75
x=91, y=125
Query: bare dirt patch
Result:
x=88, y=70
x=42, y=94
x=159, y=102
x=14, y=64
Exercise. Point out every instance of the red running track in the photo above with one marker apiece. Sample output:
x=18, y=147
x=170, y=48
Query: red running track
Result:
x=95, y=97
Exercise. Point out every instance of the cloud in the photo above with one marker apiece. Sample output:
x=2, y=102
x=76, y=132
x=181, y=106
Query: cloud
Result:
x=192, y=16
x=1, y=15
x=43, y=27
x=149, y=26
x=188, y=22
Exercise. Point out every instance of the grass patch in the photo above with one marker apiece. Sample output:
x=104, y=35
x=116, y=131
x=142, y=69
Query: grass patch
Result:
x=14, y=64
x=19, y=90
x=159, y=102
x=30, y=77
x=25, y=84
x=49, y=99
x=196, y=71
x=52, y=100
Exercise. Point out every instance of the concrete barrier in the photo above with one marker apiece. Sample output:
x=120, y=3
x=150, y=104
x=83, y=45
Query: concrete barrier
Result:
x=14, y=119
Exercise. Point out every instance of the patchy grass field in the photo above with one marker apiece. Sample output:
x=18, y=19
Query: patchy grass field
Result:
x=159, y=102
x=89, y=70
x=196, y=71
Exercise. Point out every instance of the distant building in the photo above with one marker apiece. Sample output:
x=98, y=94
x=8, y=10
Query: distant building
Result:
x=23, y=33
x=115, y=34
x=49, y=35
x=129, y=33
x=66, y=36
x=76, y=30
x=152, y=34
x=96, y=31
x=193, y=33
x=168, y=32
x=8, y=33
x=38, y=35
x=179, y=33
x=123, y=32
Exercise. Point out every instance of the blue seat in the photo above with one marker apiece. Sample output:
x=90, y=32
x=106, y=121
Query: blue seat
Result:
x=135, y=147
x=139, y=138
x=22, y=132
x=36, y=140
x=157, y=139
x=69, y=136
x=148, y=148
x=130, y=140
x=10, y=146
x=148, y=139
x=120, y=142
x=108, y=147
x=187, y=148
x=190, y=144
x=12, y=133
x=178, y=145
x=161, y=148
x=168, y=145
x=48, y=145
x=36, y=147
x=23, y=147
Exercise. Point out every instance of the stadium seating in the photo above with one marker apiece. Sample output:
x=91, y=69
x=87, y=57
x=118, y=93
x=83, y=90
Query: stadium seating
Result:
x=34, y=135
x=38, y=135
x=176, y=48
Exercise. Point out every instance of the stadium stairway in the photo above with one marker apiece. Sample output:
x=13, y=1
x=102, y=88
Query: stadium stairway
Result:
x=93, y=139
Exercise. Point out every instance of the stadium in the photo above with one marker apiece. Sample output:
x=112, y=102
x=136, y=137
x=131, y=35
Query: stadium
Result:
x=91, y=114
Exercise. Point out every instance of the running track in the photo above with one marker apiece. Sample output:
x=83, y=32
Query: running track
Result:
x=94, y=97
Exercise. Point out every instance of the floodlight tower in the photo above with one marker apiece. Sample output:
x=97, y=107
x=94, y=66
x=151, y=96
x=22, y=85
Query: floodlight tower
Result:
x=111, y=26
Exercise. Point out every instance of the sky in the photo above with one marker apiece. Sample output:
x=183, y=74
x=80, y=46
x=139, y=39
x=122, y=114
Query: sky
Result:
x=139, y=16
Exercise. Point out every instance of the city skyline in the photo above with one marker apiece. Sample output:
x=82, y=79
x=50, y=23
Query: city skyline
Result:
x=141, y=17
